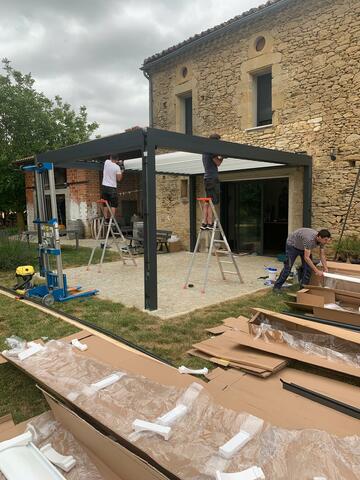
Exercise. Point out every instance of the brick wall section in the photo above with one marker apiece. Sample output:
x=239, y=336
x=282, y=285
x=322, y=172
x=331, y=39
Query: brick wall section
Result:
x=82, y=194
x=29, y=194
x=314, y=47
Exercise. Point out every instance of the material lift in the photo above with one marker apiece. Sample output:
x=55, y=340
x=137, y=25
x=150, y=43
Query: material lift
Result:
x=55, y=288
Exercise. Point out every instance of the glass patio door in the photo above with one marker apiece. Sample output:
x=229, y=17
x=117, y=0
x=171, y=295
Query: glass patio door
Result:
x=241, y=213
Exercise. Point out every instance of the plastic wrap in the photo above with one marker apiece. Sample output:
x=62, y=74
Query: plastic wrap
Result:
x=339, y=284
x=322, y=345
x=45, y=429
x=192, y=451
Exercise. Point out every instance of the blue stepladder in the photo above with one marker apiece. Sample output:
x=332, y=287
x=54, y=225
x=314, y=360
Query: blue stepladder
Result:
x=55, y=288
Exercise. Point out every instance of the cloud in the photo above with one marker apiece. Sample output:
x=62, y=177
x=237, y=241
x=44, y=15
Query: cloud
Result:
x=89, y=51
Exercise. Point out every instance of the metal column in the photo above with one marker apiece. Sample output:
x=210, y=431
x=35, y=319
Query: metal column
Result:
x=150, y=254
x=54, y=216
x=192, y=211
x=41, y=216
x=307, y=195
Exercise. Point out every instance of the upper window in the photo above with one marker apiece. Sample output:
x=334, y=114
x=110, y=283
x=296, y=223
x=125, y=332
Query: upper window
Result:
x=260, y=44
x=264, y=99
x=188, y=115
x=59, y=177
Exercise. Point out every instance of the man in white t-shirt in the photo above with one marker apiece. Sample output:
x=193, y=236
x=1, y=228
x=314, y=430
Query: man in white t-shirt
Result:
x=112, y=174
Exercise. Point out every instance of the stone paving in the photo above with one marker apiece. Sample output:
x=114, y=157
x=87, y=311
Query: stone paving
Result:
x=125, y=283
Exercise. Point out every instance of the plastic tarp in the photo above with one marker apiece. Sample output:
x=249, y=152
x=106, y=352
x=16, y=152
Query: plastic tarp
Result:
x=46, y=429
x=322, y=345
x=192, y=451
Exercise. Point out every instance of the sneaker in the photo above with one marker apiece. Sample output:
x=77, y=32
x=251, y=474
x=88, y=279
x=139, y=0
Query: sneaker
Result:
x=203, y=226
x=210, y=226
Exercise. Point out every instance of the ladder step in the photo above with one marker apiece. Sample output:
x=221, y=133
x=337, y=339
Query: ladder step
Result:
x=223, y=261
x=231, y=273
x=219, y=241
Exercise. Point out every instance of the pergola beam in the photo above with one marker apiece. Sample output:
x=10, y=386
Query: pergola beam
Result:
x=195, y=144
x=128, y=143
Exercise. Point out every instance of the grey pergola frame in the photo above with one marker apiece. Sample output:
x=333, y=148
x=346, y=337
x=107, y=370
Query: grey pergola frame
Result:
x=144, y=143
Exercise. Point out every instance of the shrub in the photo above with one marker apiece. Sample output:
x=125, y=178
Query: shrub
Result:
x=14, y=253
x=348, y=248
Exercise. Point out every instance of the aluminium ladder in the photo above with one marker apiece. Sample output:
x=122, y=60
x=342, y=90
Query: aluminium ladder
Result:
x=220, y=254
x=117, y=236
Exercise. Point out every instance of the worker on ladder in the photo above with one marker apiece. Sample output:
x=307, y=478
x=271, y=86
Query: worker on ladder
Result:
x=211, y=223
x=211, y=164
x=113, y=172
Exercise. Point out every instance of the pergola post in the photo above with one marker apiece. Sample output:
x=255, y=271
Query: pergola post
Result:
x=192, y=211
x=307, y=195
x=149, y=212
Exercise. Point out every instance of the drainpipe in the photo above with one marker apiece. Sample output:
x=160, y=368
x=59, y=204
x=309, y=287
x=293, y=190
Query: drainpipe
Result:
x=148, y=77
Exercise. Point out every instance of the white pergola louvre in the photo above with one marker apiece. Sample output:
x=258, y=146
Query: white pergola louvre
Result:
x=185, y=163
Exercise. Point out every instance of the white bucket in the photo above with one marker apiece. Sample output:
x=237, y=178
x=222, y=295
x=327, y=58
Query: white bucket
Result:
x=272, y=273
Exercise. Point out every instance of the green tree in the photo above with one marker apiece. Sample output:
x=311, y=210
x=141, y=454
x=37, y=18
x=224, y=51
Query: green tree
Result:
x=31, y=123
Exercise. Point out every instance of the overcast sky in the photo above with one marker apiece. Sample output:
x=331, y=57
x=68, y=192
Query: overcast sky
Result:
x=89, y=51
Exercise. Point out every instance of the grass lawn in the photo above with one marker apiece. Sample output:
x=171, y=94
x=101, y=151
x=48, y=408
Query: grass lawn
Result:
x=170, y=339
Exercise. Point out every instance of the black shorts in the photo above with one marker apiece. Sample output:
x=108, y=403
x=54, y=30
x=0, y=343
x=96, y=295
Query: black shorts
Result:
x=212, y=189
x=110, y=195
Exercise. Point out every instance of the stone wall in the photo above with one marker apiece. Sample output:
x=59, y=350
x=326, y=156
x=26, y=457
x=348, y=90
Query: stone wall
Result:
x=313, y=49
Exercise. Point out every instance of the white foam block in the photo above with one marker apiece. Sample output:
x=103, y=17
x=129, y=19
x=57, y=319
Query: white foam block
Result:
x=319, y=478
x=201, y=371
x=107, y=381
x=234, y=444
x=32, y=349
x=252, y=473
x=173, y=415
x=142, y=426
x=77, y=344
x=65, y=462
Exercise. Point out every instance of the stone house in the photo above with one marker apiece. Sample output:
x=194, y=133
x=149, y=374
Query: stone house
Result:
x=284, y=76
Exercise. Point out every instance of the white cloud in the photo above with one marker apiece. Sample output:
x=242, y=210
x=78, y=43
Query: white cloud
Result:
x=89, y=51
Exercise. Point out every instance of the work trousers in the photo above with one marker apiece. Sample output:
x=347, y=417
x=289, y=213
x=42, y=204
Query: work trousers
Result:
x=291, y=255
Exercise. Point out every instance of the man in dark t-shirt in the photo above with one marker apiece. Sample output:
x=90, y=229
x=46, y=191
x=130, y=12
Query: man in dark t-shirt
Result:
x=211, y=163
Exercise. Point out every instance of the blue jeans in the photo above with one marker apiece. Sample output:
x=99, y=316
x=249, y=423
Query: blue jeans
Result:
x=291, y=255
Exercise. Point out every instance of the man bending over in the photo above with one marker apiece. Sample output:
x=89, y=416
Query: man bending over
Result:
x=299, y=244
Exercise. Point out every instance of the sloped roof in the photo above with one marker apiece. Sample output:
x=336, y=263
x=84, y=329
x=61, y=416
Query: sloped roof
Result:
x=206, y=34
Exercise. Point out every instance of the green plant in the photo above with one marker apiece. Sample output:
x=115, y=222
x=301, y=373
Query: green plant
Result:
x=14, y=253
x=348, y=248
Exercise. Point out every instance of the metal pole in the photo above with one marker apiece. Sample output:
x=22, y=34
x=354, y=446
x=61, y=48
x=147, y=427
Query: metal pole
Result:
x=192, y=211
x=150, y=254
x=347, y=213
x=307, y=195
x=52, y=188
x=40, y=200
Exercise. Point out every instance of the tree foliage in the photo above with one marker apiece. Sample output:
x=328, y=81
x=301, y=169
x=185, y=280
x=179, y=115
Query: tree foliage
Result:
x=31, y=123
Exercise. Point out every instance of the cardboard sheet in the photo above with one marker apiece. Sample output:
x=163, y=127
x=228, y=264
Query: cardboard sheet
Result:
x=267, y=399
x=283, y=349
x=226, y=363
x=350, y=318
x=309, y=325
x=225, y=346
x=121, y=462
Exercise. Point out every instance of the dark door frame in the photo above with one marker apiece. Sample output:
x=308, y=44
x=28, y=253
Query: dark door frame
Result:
x=262, y=183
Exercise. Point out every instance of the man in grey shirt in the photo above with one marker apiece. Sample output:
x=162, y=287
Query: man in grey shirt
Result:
x=299, y=244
